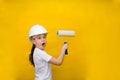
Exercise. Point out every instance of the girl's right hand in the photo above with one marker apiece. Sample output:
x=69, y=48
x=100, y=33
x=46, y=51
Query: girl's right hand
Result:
x=65, y=46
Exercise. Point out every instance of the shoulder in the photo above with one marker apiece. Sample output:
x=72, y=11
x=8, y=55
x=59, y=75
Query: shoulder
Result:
x=42, y=54
x=39, y=52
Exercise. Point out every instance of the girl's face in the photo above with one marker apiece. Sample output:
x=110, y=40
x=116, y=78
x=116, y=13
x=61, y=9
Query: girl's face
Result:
x=40, y=41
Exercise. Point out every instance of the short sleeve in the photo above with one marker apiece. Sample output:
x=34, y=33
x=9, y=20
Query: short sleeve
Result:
x=44, y=55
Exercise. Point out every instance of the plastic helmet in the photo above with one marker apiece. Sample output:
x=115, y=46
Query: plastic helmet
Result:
x=37, y=29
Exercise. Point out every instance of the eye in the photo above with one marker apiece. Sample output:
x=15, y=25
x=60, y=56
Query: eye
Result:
x=39, y=37
x=44, y=36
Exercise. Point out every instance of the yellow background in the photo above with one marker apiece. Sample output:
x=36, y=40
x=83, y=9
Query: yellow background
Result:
x=94, y=52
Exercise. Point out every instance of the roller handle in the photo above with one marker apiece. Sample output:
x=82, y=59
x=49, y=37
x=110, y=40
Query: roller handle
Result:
x=66, y=51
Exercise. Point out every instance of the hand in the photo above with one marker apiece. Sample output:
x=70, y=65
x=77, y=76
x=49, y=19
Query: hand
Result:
x=65, y=46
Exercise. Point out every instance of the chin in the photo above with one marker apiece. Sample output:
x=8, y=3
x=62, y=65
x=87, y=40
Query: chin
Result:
x=43, y=48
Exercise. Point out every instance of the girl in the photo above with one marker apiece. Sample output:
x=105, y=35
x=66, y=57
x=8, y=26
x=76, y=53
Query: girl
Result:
x=38, y=57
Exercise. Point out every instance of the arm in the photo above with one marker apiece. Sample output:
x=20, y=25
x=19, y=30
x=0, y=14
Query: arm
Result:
x=60, y=59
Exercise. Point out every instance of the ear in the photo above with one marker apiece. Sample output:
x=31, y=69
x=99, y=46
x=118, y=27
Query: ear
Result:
x=33, y=41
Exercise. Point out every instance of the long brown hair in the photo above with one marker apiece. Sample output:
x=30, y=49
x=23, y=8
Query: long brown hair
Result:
x=31, y=55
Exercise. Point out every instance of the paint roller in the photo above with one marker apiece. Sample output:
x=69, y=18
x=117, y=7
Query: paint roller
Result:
x=66, y=33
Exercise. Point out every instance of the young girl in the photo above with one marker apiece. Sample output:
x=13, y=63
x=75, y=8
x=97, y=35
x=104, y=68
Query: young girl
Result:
x=38, y=57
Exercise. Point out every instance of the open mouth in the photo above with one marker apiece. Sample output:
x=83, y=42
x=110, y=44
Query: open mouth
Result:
x=43, y=44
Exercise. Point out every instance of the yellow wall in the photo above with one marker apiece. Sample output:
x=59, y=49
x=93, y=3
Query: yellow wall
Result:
x=93, y=53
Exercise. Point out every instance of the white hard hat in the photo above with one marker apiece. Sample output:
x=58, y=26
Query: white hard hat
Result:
x=37, y=29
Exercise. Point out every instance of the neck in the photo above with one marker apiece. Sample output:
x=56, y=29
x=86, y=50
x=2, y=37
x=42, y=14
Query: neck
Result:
x=39, y=48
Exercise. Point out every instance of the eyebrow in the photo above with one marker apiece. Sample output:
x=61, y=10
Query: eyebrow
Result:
x=40, y=34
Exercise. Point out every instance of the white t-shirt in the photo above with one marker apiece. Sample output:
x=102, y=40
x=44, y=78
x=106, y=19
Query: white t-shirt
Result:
x=42, y=65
